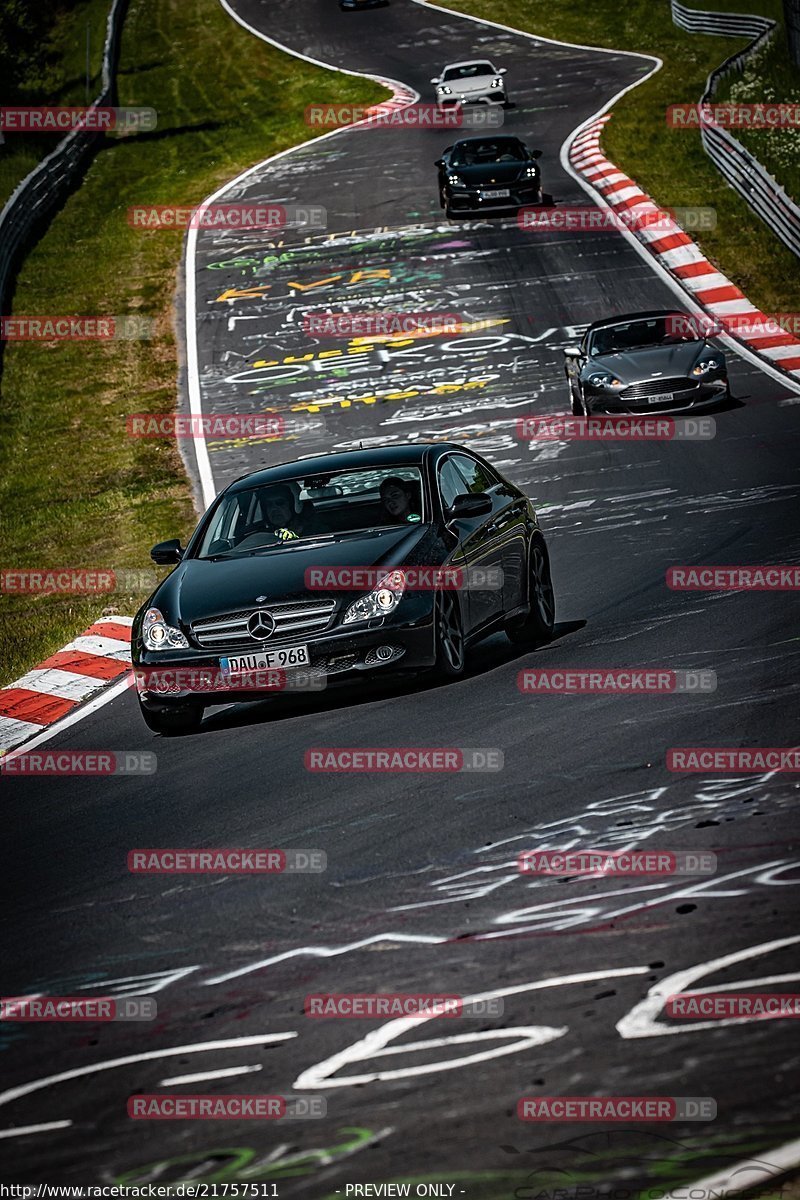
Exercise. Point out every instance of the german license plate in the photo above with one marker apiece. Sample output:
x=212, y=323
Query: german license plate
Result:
x=664, y=398
x=265, y=660
x=496, y=194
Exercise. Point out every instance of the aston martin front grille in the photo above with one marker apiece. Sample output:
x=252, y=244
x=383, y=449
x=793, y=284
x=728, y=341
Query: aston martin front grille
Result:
x=656, y=387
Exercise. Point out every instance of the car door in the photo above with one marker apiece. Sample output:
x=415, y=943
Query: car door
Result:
x=450, y=483
x=505, y=531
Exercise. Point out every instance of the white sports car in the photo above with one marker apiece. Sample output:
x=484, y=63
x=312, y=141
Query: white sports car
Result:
x=475, y=82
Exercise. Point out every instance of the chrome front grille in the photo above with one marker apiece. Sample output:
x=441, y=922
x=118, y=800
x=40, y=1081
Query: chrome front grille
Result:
x=656, y=387
x=295, y=618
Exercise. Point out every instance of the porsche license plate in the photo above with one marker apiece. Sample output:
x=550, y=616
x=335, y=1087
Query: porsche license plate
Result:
x=664, y=398
x=496, y=194
x=265, y=660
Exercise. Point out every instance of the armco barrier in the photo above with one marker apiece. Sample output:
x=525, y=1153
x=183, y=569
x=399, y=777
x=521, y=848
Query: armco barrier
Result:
x=742, y=171
x=46, y=186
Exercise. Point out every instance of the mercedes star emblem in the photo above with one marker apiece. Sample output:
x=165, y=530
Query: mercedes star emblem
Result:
x=261, y=624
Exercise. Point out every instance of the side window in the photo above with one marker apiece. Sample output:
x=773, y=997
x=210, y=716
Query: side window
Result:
x=450, y=483
x=476, y=477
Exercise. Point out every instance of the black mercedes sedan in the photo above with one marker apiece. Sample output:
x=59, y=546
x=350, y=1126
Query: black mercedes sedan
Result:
x=645, y=362
x=339, y=566
x=480, y=174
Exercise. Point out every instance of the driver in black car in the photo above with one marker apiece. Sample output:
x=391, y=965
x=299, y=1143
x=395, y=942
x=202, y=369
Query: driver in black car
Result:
x=398, y=500
x=282, y=516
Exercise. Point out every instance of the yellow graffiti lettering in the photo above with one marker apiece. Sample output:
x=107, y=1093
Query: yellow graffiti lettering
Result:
x=371, y=273
x=306, y=287
x=245, y=294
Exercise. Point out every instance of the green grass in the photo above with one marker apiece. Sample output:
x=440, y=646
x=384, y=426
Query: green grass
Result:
x=670, y=164
x=75, y=491
x=48, y=69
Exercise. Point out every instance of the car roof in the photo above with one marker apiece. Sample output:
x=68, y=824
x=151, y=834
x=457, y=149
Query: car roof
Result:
x=488, y=137
x=638, y=316
x=345, y=460
x=468, y=62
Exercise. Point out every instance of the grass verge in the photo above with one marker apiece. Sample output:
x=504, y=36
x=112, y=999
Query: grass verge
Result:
x=75, y=491
x=670, y=164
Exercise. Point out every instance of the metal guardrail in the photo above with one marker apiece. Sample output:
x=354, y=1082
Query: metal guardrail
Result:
x=47, y=184
x=743, y=172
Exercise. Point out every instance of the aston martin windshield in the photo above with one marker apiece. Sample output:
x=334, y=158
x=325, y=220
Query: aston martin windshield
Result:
x=263, y=517
x=658, y=331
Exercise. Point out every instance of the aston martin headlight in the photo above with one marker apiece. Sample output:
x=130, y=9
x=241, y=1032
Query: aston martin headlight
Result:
x=706, y=365
x=604, y=379
x=377, y=603
x=158, y=635
x=531, y=172
x=444, y=90
x=454, y=181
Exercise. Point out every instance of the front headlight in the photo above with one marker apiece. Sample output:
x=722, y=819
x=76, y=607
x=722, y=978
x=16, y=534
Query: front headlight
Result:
x=497, y=83
x=454, y=181
x=444, y=90
x=531, y=172
x=158, y=635
x=384, y=599
x=604, y=379
x=707, y=364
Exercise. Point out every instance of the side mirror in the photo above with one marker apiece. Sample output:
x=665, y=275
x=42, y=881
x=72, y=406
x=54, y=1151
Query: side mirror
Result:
x=437, y=79
x=572, y=352
x=536, y=154
x=439, y=162
x=167, y=553
x=476, y=504
x=503, y=71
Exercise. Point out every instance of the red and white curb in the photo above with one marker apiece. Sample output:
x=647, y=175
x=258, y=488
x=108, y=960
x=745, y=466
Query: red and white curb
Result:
x=87, y=665
x=678, y=254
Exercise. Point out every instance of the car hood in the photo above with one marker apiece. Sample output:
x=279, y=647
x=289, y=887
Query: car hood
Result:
x=634, y=365
x=476, y=83
x=489, y=173
x=200, y=588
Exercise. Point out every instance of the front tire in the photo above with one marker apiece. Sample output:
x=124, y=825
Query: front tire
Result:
x=575, y=399
x=449, y=636
x=173, y=722
x=537, y=627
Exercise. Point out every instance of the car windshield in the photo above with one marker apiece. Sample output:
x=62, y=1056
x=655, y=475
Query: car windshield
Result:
x=655, y=331
x=469, y=71
x=487, y=150
x=324, y=506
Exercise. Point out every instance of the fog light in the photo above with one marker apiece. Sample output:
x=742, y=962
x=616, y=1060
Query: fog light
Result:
x=382, y=654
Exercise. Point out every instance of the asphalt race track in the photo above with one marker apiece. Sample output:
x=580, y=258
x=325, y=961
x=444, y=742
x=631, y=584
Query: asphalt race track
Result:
x=422, y=891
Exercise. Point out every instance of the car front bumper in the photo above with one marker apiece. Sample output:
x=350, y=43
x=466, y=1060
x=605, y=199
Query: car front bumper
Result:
x=691, y=399
x=472, y=201
x=172, y=678
x=490, y=96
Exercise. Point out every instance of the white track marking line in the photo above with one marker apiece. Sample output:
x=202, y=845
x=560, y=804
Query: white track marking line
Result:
x=201, y=1076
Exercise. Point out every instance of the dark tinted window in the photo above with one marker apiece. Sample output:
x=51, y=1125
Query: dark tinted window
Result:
x=476, y=476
